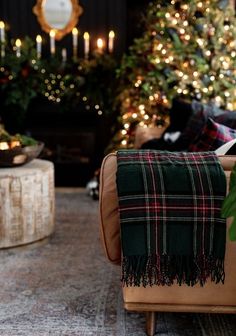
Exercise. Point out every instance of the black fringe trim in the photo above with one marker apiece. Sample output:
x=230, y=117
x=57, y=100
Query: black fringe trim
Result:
x=167, y=270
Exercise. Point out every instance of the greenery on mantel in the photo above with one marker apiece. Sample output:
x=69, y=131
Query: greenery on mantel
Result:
x=89, y=84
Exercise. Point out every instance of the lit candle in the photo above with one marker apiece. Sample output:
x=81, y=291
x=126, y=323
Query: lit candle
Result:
x=111, y=37
x=75, y=41
x=64, y=55
x=39, y=46
x=86, y=44
x=18, y=47
x=2, y=38
x=100, y=45
x=2, y=31
x=52, y=42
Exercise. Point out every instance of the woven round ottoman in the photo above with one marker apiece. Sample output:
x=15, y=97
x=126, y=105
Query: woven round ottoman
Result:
x=27, y=203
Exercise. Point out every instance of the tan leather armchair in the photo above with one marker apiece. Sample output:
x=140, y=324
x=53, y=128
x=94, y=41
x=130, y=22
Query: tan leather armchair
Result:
x=212, y=298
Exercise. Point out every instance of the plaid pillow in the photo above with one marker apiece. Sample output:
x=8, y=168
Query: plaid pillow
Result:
x=213, y=136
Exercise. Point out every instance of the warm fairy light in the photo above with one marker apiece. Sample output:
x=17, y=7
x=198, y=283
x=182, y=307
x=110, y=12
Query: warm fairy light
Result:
x=200, y=4
x=160, y=46
x=163, y=51
x=124, y=142
x=157, y=60
x=134, y=115
x=146, y=117
x=177, y=15
x=180, y=74
x=185, y=23
x=182, y=31
x=212, y=78
x=179, y=90
x=151, y=98
x=200, y=42
x=195, y=74
x=208, y=53
x=18, y=43
x=187, y=37
x=205, y=90
x=123, y=132
x=227, y=94
x=2, y=25
x=126, y=126
x=167, y=15
x=225, y=65
x=141, y=107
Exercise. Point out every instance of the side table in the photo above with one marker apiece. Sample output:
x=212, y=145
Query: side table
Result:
x=27, y=203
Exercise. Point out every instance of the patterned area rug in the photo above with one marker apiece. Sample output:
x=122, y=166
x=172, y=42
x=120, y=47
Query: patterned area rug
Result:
x=66, y=287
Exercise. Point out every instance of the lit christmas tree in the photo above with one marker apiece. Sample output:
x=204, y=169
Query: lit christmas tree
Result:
x=189, y=51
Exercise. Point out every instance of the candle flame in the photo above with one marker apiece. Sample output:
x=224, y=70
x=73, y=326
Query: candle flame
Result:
x=52, y=33
x=4, y=145
x=2, y=24
x=75, y=31
x=111, y=34
x=86, y=36
x=100, y=43
x=38, y=38
x=18, y=42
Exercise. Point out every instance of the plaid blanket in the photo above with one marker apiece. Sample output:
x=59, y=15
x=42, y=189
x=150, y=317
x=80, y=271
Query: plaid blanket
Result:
x=171, y=227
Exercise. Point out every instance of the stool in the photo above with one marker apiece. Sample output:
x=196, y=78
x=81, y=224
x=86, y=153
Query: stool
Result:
x=27, y=203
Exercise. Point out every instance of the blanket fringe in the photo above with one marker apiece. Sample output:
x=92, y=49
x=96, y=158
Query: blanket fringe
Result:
x=167, y=270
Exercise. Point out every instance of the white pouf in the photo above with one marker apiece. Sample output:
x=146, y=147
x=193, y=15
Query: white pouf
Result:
x=27, y=203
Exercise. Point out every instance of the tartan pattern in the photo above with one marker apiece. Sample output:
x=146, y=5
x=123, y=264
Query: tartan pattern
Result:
x=212, y=137
x=171, y=228
x=200, y=115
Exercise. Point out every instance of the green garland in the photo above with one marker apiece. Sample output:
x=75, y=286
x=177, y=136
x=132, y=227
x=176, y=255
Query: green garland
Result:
x=88, y=83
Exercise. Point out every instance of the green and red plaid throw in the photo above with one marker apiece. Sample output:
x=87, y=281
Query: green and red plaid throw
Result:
x=171, y=227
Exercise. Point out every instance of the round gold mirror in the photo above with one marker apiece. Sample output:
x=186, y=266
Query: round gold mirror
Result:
x=58, y=15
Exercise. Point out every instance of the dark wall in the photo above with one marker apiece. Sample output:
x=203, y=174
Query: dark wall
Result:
x=98, y=18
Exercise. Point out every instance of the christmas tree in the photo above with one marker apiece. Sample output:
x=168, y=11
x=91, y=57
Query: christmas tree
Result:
x=188, y=50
